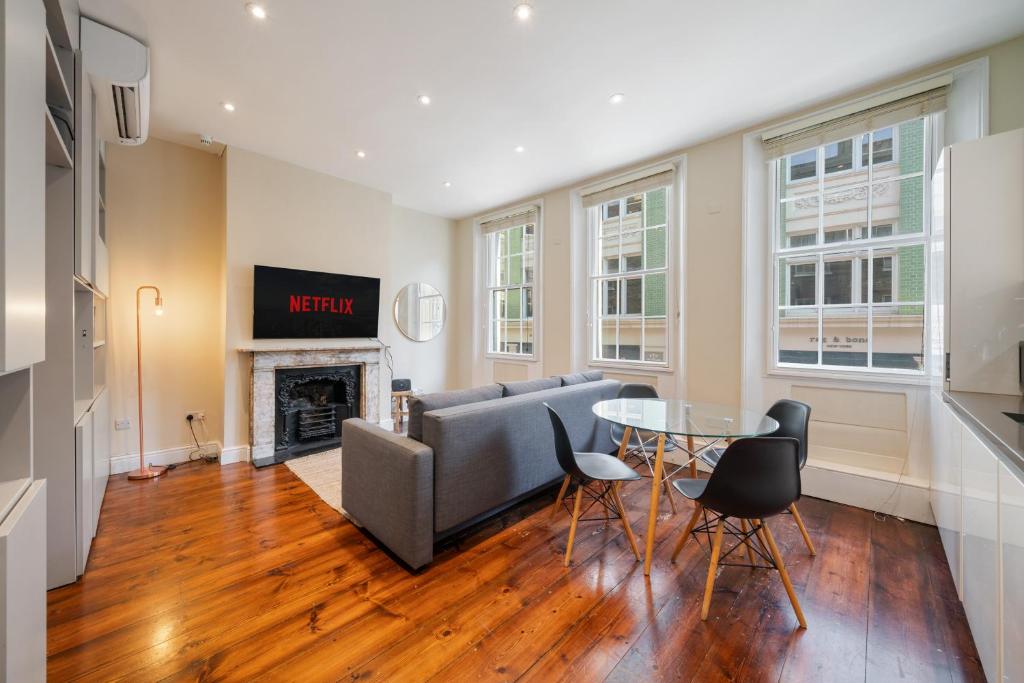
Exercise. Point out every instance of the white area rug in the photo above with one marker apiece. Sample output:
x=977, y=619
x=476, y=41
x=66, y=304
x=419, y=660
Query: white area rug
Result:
x=322, y=473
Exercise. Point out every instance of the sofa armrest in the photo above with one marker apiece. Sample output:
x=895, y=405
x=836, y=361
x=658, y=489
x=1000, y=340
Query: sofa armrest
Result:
x=387, y=486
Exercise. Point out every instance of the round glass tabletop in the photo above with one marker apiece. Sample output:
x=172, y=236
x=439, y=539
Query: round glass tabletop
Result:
x=685, y=418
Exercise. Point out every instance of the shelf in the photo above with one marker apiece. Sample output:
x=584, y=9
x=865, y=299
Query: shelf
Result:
x=57, y=92
x=11, y=492
x=56, y=25
x=56, y=152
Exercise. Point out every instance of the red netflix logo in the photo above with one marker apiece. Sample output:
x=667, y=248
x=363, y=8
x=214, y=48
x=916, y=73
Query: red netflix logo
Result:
x=302, y=303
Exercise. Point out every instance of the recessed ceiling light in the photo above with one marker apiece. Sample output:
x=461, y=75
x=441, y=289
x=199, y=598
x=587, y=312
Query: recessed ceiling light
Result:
x=361, y=154
x=616, y=98
x=520, y=149
x=523, y=11
x=447, y=183
x=423, y=99
x=228, y=106
x=257, y=11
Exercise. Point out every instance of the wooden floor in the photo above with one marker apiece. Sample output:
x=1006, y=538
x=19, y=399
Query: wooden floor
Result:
x=235, y=573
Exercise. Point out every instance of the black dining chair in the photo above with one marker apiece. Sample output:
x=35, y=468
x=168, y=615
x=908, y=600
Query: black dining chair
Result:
x=794, y=420
x=754, y=479
x=641, y=440
x=596, y=476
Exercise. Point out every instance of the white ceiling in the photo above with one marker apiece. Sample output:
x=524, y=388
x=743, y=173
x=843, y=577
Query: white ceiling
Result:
x=320, y=79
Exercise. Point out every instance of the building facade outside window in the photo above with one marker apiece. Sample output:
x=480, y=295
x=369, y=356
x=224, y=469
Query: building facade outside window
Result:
x=629, y=269
x=849, y=232
x=511, y=265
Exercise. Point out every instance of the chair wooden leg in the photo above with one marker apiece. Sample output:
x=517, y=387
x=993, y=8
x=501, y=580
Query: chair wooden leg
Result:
x=652, y=514
x=572, y=526
x=803, y=529
x=747, y=541
x=689, y=528
x=668, y=494
x=625, y=522
x=784, y=574
x=716, y=548
x=627, y=434
x=561, y=495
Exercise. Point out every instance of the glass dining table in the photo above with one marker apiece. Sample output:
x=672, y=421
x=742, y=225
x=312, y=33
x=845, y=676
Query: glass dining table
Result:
x=669, y=418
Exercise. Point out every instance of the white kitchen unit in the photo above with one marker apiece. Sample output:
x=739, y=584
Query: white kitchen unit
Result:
x=1011, y=540
x=981, y=548
x=947, y=488
x=984, y=212
x=23, y=588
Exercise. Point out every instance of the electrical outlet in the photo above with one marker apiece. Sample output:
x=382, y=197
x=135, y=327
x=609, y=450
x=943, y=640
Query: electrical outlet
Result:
x=122, y=424
x=195, y=415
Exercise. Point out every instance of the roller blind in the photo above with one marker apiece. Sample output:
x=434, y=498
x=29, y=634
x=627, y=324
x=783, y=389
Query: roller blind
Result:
x=651, y=180
x=779, y=143
x=521, y=217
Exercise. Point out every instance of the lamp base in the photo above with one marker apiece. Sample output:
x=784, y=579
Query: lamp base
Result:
x=148, y=472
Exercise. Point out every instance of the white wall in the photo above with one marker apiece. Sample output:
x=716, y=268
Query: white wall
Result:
x=279, y=214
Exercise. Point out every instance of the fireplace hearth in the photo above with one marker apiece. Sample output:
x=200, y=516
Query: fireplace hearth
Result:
x=310, y=403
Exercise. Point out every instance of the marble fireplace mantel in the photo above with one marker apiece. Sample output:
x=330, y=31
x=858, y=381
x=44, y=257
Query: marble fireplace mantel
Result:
x=268, y=357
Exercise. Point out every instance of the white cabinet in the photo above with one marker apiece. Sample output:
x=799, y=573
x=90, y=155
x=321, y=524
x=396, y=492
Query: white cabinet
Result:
x=985, y=247
x=947, y=488
x=981, y=549
x=84, y=469
x=1011, y=537
x=23, y=121
x=23, y=588
x=101, y=426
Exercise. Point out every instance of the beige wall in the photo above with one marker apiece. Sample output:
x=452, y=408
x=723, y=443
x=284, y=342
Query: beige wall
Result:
x=283, y=215
x=712, y=304
x=165, y=227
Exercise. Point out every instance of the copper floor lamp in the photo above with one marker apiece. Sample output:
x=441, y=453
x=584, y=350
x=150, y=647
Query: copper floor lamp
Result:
x=145, y=471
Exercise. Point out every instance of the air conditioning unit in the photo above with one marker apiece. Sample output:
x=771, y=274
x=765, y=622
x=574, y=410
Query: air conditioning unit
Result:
x=118, y=68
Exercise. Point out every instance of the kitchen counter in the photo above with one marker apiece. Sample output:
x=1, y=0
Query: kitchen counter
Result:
x=985, y=413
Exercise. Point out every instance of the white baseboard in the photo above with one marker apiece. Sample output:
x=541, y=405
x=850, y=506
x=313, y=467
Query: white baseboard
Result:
x=119, y=464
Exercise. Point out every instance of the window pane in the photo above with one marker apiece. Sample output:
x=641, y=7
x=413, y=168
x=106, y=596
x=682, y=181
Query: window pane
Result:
x=798, y=220
x=844, y=333
x=655, y=345
x=610, y=297
x=881, y=145
x=655, y=245
x=655, y=295
x=838, y=281
x=515, y=240
x=881, y=230
x=632, y=251
x=498, y=311
x=634, y=204
x=528, y=302
x=898, y=337
x=611, y=209
x=610, y=225
x=632, y=298
x=610, y=264
x=515, y=304
x=846, y=214
x=839, y=156
x=802, y=165
x=798, y=336
x=881, y=279
x=528, y=237
x=607, y=323
x=802, y=278
x=656, y=207
x=502, y=271
x=910, y=146
x=909, y=267
x=790, y=186
x=899, y=203
x=515, y=269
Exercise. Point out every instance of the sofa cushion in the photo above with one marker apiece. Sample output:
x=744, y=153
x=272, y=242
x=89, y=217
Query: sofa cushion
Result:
x=446, y=399
x=528, y=386
x=581, y=377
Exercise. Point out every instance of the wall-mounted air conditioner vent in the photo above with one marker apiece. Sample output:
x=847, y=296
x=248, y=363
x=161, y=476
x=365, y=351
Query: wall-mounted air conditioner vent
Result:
x=119, y=65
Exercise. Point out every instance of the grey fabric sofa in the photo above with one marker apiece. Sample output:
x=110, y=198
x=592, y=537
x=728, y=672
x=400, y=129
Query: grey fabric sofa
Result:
x=468, y=461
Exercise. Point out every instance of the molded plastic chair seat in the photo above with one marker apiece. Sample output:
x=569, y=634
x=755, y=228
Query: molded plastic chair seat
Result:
x=711, y=455
x=691, y=488
x=603, y=467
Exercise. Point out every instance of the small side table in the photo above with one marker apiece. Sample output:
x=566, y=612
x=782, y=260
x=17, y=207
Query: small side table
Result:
x=400, y=409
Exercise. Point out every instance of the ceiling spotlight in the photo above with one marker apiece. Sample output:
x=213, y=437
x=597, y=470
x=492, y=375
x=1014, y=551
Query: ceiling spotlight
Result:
x=257, y=11
x=228, y=106
x=617, y=98
x=447, y=183
x=523, y=11
x=361, y=154
x=423, y=99
x=520, y=149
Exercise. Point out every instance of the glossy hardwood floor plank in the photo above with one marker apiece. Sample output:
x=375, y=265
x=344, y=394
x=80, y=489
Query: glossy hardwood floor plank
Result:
x=232, y=573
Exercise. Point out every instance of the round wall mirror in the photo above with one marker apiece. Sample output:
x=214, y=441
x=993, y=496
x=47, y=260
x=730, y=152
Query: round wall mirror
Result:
x=419, y=311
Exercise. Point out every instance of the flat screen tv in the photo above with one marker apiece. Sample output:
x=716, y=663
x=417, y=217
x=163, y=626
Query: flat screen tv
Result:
x=305, y=304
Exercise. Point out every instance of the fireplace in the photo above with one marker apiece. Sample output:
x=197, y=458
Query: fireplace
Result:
x=310, y=403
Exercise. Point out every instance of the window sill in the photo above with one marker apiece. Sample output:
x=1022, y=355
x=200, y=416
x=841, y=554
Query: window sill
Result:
x=631, y=368
x=852, y=377
x=512, y=357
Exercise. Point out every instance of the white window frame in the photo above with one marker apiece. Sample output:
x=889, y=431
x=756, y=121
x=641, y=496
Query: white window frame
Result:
x=485, y=281
x=855, y=248
x=595, y=280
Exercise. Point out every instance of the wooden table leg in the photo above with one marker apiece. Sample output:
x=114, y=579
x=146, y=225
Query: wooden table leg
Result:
x=652, y=515
x=693, y=456
x=624, y=446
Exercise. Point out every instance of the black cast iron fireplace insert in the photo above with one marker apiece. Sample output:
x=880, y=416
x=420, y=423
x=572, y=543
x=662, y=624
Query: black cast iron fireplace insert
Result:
x=309, y=406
